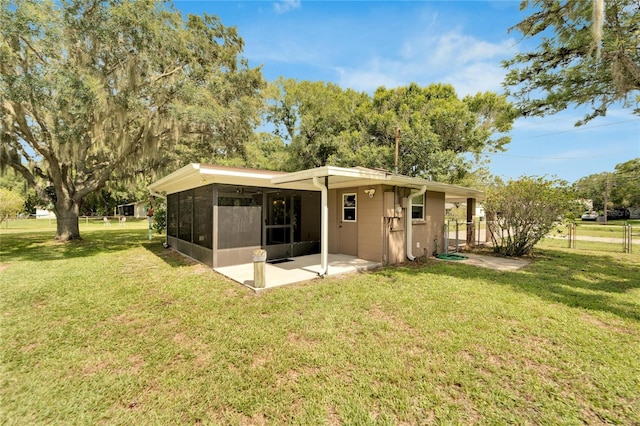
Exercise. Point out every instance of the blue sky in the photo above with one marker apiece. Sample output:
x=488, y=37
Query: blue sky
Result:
x=366, y=44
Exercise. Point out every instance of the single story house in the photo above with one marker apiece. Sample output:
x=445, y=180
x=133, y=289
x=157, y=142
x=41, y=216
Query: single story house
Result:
x=137, y=209
x=220, y=215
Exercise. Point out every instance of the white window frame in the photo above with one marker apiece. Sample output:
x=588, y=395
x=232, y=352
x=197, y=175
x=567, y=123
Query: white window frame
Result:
x=421, y=205
x=355, y=206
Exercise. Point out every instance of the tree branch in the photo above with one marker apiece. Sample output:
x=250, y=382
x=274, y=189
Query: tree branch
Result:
x=33, y=49
x=167, y=74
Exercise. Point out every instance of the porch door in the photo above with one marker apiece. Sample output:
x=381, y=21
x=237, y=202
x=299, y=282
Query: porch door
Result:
x=278, y=224
x=348, y=222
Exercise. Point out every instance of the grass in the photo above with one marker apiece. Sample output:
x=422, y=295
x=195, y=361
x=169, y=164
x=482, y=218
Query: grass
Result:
x=115, y=329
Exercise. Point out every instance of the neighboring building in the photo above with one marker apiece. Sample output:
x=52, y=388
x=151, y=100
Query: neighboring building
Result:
x=221, y=215
x=137, y=209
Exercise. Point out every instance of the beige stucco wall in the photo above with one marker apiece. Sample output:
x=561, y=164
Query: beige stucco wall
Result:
x=373, y=228
x=333, y=220
x=370, y=223
x=424, y=232
x=310, y=211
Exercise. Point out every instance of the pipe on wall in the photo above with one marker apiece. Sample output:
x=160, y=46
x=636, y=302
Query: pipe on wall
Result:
x=409, y=226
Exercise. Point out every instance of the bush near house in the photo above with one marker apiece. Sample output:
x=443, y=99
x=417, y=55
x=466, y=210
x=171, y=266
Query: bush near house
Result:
x=160, y=219
x=521, y=212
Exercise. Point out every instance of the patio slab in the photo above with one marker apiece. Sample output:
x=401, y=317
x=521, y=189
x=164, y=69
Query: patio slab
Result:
x=297, y=269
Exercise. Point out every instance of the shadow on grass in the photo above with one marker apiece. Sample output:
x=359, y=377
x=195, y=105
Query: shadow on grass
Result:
x=40, y=246
x=573, y=279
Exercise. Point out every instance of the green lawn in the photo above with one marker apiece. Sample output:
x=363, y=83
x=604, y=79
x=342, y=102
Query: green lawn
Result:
x=117, y=330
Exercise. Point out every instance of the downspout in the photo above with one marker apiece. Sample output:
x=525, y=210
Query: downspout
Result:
x=324, y=226
x=409, y=225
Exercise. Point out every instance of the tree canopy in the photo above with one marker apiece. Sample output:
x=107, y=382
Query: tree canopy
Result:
x=99, y=91
x=11, y=203
x=588, y=55
x=623, y=187
x=325, y=124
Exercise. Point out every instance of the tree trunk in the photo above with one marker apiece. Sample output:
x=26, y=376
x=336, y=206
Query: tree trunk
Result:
x=67, y=214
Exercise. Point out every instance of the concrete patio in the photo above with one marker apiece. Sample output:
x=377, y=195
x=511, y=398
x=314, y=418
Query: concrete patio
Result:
x=297, y=269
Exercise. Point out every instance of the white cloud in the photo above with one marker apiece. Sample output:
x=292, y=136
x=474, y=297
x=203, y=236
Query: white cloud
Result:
x=471, y=65
x=284, y=6
x=367, y=80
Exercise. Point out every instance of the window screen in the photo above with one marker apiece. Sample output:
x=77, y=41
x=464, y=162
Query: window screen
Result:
x=203, y=216
x=239, y=216
x=185, y=219
x=172, y=215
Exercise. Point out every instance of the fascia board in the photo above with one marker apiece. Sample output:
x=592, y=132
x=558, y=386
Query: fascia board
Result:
x=171, y=179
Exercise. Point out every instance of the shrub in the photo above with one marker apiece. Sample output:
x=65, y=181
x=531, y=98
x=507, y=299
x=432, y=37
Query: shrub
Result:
x=521, y=212
x=160, y=219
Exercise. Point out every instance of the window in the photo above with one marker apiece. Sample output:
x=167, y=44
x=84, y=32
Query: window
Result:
x=417, y=207
x=348, y=207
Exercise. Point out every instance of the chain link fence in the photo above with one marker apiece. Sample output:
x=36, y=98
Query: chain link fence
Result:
x=615, y=238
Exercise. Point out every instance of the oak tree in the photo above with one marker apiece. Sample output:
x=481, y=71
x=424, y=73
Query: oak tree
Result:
x=93, y=91
x=588, y=55
x=324, y=124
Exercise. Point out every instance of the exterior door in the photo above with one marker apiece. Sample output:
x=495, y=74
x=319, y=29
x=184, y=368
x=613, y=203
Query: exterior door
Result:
x=278, y=224
x=348, y=222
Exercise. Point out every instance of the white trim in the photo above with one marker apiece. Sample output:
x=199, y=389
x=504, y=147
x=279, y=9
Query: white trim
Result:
x=355, y=207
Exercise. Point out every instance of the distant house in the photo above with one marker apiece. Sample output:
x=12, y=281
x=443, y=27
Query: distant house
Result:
x=42, y=213
x=221, y=215
x=137, y=209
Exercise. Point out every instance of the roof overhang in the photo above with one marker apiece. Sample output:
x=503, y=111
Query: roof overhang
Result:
x=340, y=177
x=196, y=175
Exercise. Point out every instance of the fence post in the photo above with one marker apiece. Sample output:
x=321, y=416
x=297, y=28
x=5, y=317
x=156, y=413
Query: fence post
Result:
x=627, y=238
x=572, y=235
x=446, y=237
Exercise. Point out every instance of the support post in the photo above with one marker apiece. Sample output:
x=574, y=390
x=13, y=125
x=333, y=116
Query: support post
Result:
x=471, y=229
x=259, y=268
x=324, y=224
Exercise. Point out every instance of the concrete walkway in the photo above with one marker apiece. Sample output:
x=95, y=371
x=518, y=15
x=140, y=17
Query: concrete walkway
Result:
x=494, y=262
x=297, y=269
